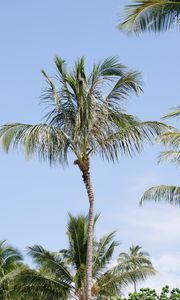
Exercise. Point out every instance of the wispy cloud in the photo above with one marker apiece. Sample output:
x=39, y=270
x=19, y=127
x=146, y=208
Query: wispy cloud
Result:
x=168, y=265
x=154, y=226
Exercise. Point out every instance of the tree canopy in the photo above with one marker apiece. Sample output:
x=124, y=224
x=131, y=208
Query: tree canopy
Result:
x=62, y=274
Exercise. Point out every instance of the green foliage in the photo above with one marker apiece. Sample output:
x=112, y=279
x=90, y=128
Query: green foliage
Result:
x=10, y=265
x=85, y=116
x=150, y=15
x=167, y=193
x=62, y=274
x=170, y=194
x=82, y=118
x=137, y=259
x=151, y=294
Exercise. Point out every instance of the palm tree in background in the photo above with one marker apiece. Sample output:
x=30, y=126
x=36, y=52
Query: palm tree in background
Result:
x=10, y=262
x=62, y=274
x=150, y=15
x=136, y=259
x=83, y=120
x=171, y=140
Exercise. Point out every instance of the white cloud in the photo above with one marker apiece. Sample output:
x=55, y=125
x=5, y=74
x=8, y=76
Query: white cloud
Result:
x=155, y=222
x=168, y=266
x=142, y=182
x=155, y=227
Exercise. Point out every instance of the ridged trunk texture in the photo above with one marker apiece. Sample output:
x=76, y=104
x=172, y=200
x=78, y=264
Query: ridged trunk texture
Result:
x=89, y=188
x=85, y=169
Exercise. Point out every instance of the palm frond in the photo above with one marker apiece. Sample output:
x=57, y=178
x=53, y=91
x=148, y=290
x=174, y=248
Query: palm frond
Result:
x=170, y=156
x=10, y=258
x=130, y=139
x=175, y=113
x=150, y=15
x=103, y=253
x=10, y=265
x=77, y=234
x=128, y=83
x=52, y=261
x=50, y=95
x=60, y=68
x=170, y=139
x=141, y=273
x=110, y=283
x=136, y=250
x=31, y=283
x=43, y=140
x=111, y=67
x=170, y=194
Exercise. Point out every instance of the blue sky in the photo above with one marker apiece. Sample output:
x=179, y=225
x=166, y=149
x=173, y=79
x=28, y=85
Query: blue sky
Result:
x=35, y=198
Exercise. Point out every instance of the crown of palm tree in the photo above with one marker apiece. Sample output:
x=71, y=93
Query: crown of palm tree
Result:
x=135, y=257
x=62, y=274
x=150, y=15
x=171, y=140
x=134, y=260
x=81, y=118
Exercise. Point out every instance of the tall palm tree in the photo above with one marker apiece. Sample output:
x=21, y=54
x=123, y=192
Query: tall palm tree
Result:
x=167, y=193
x=84, y=121
x=150, y=15
x=134, y=260
x=62, y=274
x=10, y=262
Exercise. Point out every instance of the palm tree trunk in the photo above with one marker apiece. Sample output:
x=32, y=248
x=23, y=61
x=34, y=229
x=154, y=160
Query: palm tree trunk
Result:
x=85, y=169
x=135, y=289
x=89, y=189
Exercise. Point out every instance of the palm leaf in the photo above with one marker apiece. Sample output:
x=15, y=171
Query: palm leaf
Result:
x=52, y=261
x=173, y=114
x=110, y=67
x=130, y=139
x=10, y=266
x=170, y=156
x=47, y=142
x=150, y=15
x=103, y=254
x=128, y=83
x=31, y=283
x=170, y=139
x=170, y=194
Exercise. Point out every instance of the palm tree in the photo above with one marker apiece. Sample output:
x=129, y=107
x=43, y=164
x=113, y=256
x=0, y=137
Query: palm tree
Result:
x=10, y=262
x=134, y=260
x=62, y=274
x=167, y=193
x=150, y=15
x=83, y=121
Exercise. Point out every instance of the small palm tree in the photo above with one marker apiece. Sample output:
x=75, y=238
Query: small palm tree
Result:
x=150, y=15
x=134, y=260
x=84, y=121
x=10, y=262
x=62, y=274
x=167, y=193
